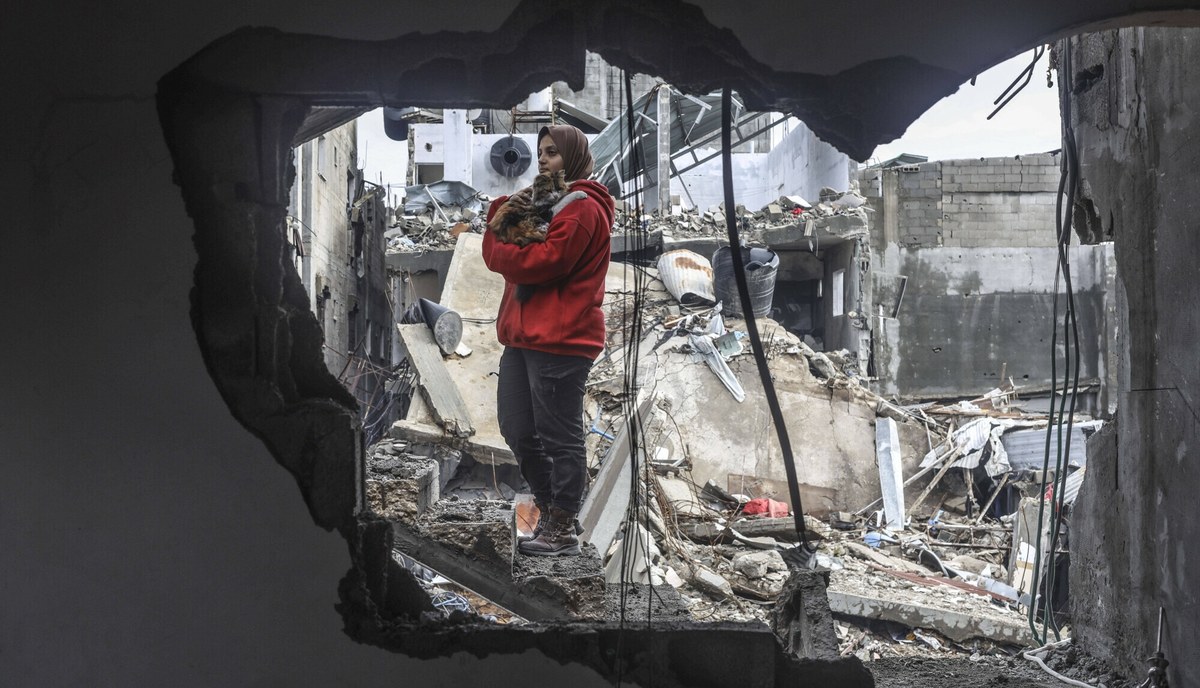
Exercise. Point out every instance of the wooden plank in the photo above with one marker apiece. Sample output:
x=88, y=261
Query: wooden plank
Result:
x=481, y=450
x=447, y=405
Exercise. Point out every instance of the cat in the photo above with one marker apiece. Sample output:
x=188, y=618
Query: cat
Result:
x=524, y=222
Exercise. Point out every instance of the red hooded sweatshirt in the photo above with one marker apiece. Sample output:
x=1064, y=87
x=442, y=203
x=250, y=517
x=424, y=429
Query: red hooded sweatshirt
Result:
x=563, y=316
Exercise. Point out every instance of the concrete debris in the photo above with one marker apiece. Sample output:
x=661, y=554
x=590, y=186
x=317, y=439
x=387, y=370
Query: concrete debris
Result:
x=936, y=570
x=433, y=215
x=710, y=583
x=842, y=214
x=758, y=564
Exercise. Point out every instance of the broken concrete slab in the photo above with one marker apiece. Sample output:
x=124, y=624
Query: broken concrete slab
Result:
x=473, y=291
x=482, y=449
x=681, y=497
x=781, y=528
x=472, y=543
x=440, y=391
x=604, y=505
x=887, y=561
x=954, y=624
x=802, y=618
x=891, y=477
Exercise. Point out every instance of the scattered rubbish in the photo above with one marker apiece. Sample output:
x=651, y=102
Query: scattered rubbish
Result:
x=770, y=507
x=704, y=348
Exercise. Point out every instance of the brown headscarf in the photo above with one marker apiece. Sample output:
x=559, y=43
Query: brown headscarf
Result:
x=573, y=147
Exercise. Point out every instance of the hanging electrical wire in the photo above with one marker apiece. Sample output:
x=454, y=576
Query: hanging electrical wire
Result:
x=1058, y=432
x=800, y=556
x=631, y=327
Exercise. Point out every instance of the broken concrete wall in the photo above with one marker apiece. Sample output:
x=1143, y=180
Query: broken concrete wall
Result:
x=963, y=278
x=701, y=188
x=972, y=203
x=846, y=266
x=832, y=433
x=801, y=164
x=964, y=315
x=603, y=88
x=1134, y=97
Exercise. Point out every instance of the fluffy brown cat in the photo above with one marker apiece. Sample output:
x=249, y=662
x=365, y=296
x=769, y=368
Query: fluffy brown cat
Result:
x=523, y=223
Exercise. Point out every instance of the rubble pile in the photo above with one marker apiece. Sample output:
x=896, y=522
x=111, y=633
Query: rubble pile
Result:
x=433, y=215
x=947, y=581
x=939, y=565
x=834, y=212
x=432, y=219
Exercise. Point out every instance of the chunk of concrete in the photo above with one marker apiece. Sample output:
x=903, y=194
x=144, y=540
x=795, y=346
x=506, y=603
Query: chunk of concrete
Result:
x=710, y=583
x=403, y=487
x=802, y=618
x=955, y=625
x=758, y=564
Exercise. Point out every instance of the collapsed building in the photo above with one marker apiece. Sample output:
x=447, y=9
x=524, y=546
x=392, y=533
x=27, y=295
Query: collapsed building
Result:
x=861, y=295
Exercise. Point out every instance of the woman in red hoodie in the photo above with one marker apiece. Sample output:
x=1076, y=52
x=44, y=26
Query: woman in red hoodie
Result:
x=552, y=332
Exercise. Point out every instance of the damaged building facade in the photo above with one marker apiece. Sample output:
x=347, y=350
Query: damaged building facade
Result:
x=259, y=344
x=336, y=223
x=962, y=284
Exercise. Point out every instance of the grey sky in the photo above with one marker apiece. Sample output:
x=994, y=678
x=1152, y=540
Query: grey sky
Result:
x=955, y=127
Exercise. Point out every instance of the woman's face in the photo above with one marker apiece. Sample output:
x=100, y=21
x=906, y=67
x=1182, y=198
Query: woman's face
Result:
x=549, y=158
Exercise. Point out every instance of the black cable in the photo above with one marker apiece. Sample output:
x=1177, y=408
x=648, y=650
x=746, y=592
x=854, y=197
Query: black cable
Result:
x=1024, y=77
x=1067, y=192
x=631, y=330
x=760, y=358
x=1071, y=324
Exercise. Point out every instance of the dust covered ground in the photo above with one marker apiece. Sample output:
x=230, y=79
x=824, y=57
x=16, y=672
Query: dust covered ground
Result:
x=984, y=672
x=993, y=671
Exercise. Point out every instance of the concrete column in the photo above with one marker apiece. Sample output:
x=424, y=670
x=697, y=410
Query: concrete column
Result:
x=662, y=181
x=889, y=190
x=457, y=136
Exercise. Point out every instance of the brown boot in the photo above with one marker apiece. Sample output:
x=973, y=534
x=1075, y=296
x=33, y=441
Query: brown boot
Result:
x=556, y=539
x=543, y=519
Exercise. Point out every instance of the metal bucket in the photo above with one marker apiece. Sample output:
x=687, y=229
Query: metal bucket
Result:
x=762, y=264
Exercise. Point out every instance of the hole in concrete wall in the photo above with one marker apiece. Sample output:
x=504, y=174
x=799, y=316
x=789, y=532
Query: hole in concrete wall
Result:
x=231, y=137
x=254, y=311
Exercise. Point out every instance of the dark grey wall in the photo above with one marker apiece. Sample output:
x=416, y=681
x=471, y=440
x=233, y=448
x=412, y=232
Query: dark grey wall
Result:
x=146, y=537
x=1136, y=525
x=968, y=313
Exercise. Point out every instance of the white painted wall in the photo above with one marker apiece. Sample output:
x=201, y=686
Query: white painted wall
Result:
x=456, y=146
x=802, y=163
x=703, y=187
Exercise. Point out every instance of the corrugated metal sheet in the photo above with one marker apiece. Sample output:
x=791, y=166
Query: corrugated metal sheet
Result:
x=1073, y=483
x=694, y=117
x=688, y=276
x=1027, y=448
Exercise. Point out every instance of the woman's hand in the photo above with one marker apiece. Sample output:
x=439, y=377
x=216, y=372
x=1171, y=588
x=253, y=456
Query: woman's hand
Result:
x=522, y=198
